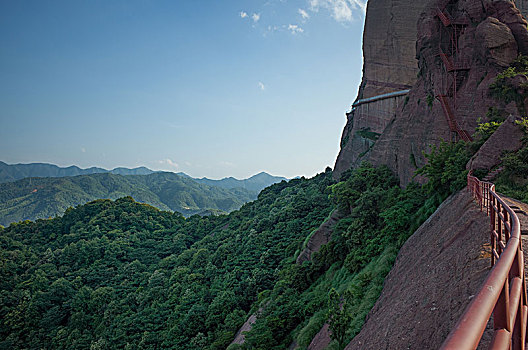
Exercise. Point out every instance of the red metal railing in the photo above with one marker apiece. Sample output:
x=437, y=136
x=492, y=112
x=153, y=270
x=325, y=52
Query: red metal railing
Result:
x=503, y=293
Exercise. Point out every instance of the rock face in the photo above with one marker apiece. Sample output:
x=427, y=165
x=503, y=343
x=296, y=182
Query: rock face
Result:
x=497, y=40
x=320, y=237
x=436, y=274
x=389, y=49
x=507, y=138
x=240, y=336
x=489, y=34
x=367, y=120
x=389, y=65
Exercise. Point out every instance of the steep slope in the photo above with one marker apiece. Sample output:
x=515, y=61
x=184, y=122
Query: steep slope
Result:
x=389, y=49
x=441, y=266
x=34, y=198
x=486, y=48
x=437, y=272
x=389, y=65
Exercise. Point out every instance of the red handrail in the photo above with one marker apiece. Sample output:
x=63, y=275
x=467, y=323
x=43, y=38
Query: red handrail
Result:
x=503, y=293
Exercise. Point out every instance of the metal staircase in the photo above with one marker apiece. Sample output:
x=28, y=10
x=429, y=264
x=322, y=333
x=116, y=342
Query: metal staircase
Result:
x=451, y=121
x=455, y=67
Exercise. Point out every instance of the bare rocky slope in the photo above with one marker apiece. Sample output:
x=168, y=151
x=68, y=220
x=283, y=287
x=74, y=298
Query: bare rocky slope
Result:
x=437, y=272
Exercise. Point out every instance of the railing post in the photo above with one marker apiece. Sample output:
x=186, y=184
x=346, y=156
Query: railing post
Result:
x=517, y=336
x=515, y=271
x=493, y=230
x=507, y=224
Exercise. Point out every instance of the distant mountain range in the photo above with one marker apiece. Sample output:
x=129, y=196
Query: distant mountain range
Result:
x=40, y=190
x=14, y=172
x=255, y=183
x=34, y=198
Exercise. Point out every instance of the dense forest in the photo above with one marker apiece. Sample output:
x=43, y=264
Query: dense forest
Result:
x=124, y=275
x=119, y=274
x=127, y=275
x=38, y=198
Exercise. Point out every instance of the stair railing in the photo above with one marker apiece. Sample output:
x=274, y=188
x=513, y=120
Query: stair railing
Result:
x=503, y=293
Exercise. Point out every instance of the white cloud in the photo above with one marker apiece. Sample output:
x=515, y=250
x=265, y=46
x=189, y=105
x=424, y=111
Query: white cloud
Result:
x=342, y=10
x=261, y=86
x=294, y=28
x=169, y=163
x=303, y=14
x=83, y=150
x=243, y=14
x=226, y=163
x=255, y=17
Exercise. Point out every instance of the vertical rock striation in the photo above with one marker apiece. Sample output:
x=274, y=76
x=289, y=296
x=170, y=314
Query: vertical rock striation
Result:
x=390, y=65
x=450, y=84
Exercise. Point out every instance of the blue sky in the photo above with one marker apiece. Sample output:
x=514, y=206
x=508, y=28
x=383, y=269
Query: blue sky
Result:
x=210, y=88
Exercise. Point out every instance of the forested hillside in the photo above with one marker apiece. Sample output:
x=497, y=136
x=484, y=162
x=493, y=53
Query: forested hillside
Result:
x=34, y=198
x=124, y=275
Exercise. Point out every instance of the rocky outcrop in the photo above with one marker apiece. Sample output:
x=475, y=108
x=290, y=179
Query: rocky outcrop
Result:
x=494, y=34
x=367, y=120
x=507, y=138
x=485, y=46
x=435, y=276
x=240, y=336
x=389, y=46
x=389, y=65
x=321, y=236
x=498, y=41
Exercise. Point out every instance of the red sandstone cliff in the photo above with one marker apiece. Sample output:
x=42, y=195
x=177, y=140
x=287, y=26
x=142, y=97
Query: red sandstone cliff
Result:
x=494, y=34
x=389, y=64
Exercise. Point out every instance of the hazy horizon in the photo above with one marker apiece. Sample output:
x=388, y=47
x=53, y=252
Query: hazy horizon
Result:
x=142, y=166
x=209, y=89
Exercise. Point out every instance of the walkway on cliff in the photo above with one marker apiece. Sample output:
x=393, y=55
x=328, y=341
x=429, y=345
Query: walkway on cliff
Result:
x=438, y=273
